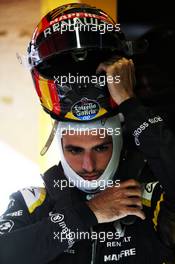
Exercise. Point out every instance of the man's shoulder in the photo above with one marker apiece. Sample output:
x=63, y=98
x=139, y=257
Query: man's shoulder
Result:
x=25, y=201
x=33, y=197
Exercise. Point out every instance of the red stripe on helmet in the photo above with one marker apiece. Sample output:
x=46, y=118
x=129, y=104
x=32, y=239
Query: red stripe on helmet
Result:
x=35, y=76
x=54, y=97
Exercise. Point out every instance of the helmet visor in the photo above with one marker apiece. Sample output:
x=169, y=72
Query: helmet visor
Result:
x=69, y=41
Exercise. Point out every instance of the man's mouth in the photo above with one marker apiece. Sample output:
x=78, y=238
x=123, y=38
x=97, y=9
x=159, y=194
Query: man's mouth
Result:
x=90, y=177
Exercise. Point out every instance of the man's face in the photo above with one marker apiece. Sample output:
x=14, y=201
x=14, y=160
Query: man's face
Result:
x=88, y=155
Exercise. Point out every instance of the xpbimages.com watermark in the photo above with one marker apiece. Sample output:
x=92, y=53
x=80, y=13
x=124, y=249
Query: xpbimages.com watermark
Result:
x=74, y=22
x=100, y=80
x=100, y=184
x=85, y=131
x=72, y=27
x=102, y=236
x=65, y=234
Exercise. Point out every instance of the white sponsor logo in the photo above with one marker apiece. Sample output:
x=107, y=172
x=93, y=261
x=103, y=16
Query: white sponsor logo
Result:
x=57, y=218
x=155, y=119
x=148, y=189
x=51, y=213
x=70, y=251
x=119, y=243
x=6, y=226
x=137, y=142
x=11, y=203
x=140, y=129
x=122, y=254
x=119, y=228
x=65, y=231
x=143, y=126
x=17, y=213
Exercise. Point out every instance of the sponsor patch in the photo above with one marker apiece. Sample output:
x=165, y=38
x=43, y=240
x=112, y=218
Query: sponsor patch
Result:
x=57, y=218
x=6, y=226
x=85, y=109
x=15, y=214
x=33, y=197
x=147, y=193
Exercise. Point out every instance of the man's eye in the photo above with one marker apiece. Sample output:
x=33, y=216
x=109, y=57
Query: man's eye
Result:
x=74, y=151
x=101, y=148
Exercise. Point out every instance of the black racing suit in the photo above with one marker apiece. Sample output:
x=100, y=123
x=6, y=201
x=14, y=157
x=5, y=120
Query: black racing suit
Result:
x=55, y=225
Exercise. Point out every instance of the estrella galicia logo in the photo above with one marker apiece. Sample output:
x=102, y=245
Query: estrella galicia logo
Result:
x=6, y=226
x=57, y=218
x=85, y=109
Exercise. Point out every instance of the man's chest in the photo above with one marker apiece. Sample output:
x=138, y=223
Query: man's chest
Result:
x=115, y=243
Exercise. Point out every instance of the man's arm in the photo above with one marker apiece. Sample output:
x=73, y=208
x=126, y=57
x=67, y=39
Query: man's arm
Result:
x=154, y=140
x=23, y=240
x=147, y=130
x=117, y=202
x=151, y=137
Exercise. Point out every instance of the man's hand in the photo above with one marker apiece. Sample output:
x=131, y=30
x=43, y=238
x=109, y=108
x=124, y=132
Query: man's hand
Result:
x=125, y=69
x=117, y=202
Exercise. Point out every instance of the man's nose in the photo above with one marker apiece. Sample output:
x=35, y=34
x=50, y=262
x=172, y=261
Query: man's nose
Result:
x=88, y=163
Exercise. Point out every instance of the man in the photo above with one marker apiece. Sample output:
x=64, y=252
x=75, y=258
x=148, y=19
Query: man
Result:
x=44, y=226
x=106, y=201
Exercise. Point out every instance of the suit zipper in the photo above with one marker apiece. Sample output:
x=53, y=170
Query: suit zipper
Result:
x=94, y=249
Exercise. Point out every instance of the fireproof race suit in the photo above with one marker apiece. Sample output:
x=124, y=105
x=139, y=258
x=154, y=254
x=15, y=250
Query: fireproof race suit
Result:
x=55, y=225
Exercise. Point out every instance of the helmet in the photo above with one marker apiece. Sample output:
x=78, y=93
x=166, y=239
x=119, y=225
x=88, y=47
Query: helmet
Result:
x=66, y=48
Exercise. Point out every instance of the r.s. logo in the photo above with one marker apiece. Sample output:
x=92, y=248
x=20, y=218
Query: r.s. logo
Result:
x=6, y=226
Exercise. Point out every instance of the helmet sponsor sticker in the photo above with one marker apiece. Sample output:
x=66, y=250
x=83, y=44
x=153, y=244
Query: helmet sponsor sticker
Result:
x=61, y=9
x=6, y=226
x=85, y=109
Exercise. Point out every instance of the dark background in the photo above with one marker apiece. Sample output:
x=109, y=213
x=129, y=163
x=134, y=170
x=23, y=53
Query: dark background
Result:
x=136, y=17
x=155, y=70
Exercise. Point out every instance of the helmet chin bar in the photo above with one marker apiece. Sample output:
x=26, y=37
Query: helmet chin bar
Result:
x=50, y=138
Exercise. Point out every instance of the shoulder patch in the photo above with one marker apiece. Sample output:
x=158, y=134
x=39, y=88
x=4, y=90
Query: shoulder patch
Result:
x=33, y=197
x=147, y=192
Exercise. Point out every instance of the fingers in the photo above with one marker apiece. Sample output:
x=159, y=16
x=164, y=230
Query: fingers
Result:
x=119, y=66
x=130, y=193
x=133, y=192
x=115, y=203
x=124, y=68
x=137, y=212
x=104, y=66
x=133, y=79
x=101, y=67
x=115, y=61
x=130, y=183
x=129, y=188
x=134, y=202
